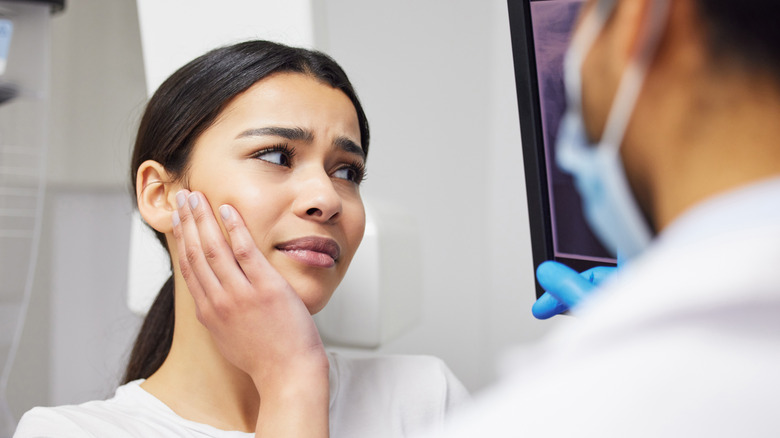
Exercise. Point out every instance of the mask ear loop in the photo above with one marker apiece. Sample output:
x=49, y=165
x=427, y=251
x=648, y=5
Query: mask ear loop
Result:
x=581, y=42
x=631, y=83
x=627, y=95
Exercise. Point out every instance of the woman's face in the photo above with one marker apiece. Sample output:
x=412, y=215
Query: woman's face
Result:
x=286, y=154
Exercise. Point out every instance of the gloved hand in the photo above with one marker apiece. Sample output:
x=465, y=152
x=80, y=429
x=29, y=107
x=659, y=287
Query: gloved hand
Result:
x=564, y=287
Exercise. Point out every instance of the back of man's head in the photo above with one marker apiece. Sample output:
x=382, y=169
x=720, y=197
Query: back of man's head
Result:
x=743, y=33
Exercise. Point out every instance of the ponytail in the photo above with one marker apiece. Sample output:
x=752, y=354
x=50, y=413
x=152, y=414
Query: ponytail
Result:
x=155, y=337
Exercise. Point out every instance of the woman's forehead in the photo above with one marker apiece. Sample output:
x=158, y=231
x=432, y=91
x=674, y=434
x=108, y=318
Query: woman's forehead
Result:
x=294, y=100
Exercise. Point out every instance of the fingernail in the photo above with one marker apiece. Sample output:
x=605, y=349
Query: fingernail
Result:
x=224, y=210
x=180, y=198
x=193, y=201
x=176, y=219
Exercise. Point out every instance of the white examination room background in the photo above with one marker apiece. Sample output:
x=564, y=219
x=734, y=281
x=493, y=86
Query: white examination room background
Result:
x=436, y=79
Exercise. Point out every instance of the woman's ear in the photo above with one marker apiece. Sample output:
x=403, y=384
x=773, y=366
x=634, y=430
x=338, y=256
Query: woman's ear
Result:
x=156, y=195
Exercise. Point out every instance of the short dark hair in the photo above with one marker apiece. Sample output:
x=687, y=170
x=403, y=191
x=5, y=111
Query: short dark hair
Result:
x=745, y=31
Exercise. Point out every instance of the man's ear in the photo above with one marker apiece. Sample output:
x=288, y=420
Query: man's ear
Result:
x=156, y=195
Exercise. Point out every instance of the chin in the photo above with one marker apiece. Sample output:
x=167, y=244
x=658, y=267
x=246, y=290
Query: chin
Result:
x=314, y=286
x=314, y=293
x=315, y=303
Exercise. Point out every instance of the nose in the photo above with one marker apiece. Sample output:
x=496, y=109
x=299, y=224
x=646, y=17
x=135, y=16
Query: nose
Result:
x=317, y=199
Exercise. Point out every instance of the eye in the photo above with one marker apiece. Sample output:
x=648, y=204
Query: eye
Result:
x=281, y=155
x=355, y=172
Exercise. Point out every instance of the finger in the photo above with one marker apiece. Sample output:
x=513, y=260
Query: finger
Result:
x=216, y=250
x=564, y=283
x=251, y=260
x=189, y=277
x=191, y=252
x=548, y=306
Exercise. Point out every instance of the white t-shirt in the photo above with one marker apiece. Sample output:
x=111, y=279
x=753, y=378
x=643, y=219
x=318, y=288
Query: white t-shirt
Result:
x=388, y=396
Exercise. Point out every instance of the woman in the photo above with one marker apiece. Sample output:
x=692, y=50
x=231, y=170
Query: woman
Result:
x=247, y=164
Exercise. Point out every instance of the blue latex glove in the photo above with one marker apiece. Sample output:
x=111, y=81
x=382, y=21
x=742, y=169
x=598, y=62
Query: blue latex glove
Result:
x=564, y=287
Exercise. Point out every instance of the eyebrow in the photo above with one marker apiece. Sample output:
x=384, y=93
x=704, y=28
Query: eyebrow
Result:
x=300, y=134
x=277, y=131
x=349, y=146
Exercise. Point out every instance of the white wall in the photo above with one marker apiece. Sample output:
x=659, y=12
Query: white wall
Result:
x=97, y=93
x=92, y=327
x=436, y=79
x=173, y=32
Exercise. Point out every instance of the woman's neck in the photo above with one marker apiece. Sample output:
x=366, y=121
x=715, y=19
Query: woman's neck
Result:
x=196, y=381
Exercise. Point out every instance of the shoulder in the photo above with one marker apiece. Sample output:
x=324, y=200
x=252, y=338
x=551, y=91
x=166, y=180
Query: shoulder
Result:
x=415, y=377
x=93, y=418
x=132, y=412
x=49, y=422
x=394, y=394
x=96, y=418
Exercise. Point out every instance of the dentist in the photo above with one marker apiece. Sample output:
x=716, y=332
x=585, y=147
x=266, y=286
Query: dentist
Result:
x=672, y=136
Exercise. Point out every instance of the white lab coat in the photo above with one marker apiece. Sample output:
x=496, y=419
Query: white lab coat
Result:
x=684, y=342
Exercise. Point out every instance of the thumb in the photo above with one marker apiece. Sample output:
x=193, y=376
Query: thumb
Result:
x=547, y=306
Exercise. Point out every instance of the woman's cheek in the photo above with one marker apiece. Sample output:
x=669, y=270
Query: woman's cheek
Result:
x=358, y=228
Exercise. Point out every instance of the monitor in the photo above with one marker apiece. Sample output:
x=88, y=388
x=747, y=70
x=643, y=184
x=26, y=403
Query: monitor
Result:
x=540, y=31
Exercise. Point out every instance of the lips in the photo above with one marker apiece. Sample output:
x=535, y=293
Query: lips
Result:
x=313, y=251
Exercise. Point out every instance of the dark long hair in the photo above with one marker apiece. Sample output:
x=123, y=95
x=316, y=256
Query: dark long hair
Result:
x=184, y=106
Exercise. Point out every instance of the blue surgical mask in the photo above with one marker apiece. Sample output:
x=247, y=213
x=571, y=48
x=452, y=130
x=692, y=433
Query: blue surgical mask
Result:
x=599, y=175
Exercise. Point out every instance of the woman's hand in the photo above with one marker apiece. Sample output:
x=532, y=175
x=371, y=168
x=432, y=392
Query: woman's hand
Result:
x=257, y=320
